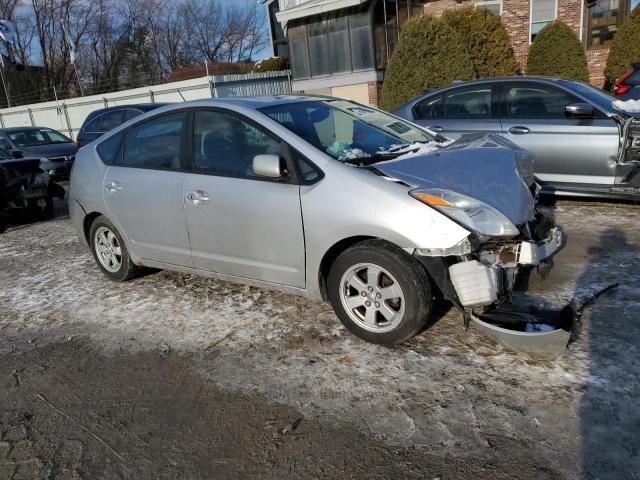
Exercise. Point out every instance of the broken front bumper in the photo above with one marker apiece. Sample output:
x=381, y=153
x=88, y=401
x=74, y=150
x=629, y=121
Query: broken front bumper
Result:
x=489, y=277
x=481, y=285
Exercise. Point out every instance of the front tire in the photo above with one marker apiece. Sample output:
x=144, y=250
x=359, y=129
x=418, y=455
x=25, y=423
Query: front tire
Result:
x=110, y=251
x=380, y=293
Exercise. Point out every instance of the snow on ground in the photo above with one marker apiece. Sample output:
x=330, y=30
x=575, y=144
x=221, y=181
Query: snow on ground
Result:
x=447, y=391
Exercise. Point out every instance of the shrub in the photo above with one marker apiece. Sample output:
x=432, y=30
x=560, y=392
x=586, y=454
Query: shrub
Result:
x=625, y=48
x=556, y=51
x=486, y=39
x=272, y=64
x=429, y=54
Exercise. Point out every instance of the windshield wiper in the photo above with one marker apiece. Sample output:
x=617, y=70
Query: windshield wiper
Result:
x=373, y=158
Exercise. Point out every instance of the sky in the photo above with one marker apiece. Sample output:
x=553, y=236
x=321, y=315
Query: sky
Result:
x=263, y=53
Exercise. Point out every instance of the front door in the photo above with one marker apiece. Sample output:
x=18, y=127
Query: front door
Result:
x=569, y=152
x=144, y=192
x=241, y=224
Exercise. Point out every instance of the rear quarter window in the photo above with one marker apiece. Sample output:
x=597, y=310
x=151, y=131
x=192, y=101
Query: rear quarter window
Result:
x=109, y=148
x=92, y=125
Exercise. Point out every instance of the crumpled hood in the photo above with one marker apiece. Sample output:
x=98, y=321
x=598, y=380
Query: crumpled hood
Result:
x=482, y=166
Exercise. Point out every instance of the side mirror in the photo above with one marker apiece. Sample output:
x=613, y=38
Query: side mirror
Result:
x=268, y=166
x=17, y=153
x=579, y=110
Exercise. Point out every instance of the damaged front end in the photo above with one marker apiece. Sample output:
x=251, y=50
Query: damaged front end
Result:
x=486, y=184
x=628, y=163
x=481, y=281
x=25, y=189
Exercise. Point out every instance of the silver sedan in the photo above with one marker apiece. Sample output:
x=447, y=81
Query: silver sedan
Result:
x=584, y=145
x=317, y=196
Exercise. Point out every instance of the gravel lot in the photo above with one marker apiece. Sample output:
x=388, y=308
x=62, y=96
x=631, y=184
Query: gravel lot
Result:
x=176, y=376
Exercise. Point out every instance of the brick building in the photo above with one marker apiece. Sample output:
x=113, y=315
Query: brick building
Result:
x=341, y=47
x=594, y=22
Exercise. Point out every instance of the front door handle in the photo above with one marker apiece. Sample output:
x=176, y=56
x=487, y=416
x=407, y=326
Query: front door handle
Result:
x=518, y=130
x=113, y=187
x=435, y=128
x=197, y=197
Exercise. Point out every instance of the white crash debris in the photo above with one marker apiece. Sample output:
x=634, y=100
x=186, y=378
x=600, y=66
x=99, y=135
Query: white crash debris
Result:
x=628, y=106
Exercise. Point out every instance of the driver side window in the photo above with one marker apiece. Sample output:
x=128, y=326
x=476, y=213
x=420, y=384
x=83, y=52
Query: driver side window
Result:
x=533, y=101
x=225, y=144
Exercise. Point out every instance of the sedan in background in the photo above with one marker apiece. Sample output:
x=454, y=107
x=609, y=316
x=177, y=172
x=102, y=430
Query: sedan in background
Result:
x=583, y=145
x=104, y=120
x=56, y=151
x=316, y=196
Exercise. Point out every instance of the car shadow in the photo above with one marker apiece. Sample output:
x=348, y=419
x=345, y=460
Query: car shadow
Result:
x=609, y=415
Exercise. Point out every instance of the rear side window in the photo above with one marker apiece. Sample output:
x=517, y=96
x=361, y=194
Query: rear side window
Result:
x=93, y=126
x=130, y=113
x=108, y=149
x=111, y=120
x=430, y=108
x=468, y=103
x=156, y=144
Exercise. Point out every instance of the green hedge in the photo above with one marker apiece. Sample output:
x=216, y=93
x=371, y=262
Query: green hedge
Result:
x=429, y=54
x=625, y=48
x=272, y=64
x=487, y=40
x=556, y=51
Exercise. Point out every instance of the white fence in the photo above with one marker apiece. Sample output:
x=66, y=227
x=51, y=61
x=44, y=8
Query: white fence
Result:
x=67, y=115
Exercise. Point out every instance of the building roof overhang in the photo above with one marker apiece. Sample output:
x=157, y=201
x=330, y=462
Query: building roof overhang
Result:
x=315, y=7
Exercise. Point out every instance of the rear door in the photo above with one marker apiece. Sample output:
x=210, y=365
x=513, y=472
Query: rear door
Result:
x=144, y=190
x=570, y=152
x=466, y=109
x=241, y=224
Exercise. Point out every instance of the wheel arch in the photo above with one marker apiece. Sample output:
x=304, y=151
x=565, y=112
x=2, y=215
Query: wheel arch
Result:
x=335, y=250
x=86, y=224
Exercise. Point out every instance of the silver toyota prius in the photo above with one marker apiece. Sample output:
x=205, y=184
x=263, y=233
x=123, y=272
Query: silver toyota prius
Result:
x=318, y=196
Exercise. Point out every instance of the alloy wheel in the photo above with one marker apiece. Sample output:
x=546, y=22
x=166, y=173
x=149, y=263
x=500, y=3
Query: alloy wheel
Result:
x=372, y=297
x=108, y=249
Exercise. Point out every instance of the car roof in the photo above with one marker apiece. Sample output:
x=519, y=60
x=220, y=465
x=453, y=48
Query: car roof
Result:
x=514, y=78
x=463, y=83
x=145, y=107
x=262, y=101
x=25, y=129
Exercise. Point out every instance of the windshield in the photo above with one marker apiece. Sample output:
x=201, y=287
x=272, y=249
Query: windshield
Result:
x=601, y=98
x=346, y=130
x=34, y=137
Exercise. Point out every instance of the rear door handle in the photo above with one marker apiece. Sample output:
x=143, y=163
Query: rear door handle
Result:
x=113, y=187
x=436, y=128
x=518, y=130
x=197, y=197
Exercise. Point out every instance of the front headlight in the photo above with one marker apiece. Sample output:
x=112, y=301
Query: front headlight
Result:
x=472, y=213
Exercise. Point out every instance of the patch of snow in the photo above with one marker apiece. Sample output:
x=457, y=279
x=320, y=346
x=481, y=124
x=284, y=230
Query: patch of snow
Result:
x=628, y=106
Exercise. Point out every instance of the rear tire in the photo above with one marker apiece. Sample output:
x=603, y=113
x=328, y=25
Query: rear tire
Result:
x=380, y=293
x=110, y=252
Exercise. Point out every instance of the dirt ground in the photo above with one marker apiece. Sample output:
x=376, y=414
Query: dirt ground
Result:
x=176, y=376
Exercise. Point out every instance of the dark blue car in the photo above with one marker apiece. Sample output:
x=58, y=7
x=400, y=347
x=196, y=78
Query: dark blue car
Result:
x=101, y=121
